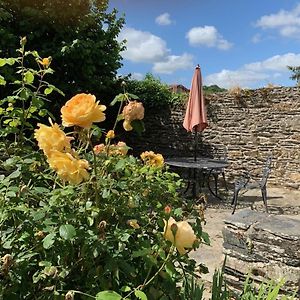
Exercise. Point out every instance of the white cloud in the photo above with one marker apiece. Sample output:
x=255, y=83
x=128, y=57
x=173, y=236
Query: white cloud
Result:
x=147, y=48
x=207, y=36
x=286, y=22
x=173, y=63
x=137, y=76
x=250, y=75
x=163, y=19
x=275, y=63
x=230, y=78
x=142, y=46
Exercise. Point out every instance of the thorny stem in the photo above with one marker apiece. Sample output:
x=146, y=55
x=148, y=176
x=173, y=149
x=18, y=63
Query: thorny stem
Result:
x=78, y=292
x=147, y=282
x=28, y=109
x=116, y=120
x=23, y=85
x=185, y=276
x=120, y=107
x=95, y=171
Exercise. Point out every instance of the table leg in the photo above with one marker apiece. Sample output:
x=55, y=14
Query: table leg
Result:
x=214, y=193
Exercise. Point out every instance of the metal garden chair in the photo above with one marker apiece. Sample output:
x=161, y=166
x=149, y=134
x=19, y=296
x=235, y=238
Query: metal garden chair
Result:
x=244, y=183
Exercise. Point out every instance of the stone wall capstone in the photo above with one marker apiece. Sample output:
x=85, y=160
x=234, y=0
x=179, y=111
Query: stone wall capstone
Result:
x=251, y=126
x=266, y=246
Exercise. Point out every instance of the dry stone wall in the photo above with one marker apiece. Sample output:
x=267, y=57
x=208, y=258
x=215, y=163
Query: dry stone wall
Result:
x=266, y=246
x=251, y=125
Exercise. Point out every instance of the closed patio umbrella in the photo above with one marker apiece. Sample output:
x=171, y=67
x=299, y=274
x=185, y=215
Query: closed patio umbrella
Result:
x=195, y=119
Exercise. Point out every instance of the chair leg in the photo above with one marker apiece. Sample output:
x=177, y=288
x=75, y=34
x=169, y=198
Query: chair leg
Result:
x=225, y=182
x=234, y=199
x=264, y=197
x=215, y=175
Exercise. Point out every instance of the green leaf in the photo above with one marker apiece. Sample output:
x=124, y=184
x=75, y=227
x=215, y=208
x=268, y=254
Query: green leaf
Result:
x=120, y=117
x=45, y=263
x=15, y=174
x=28, y=77
x=2, y=62
x=125, y=289
x=124, y=237
x=178, y=212
x=25, y=93
x=141, y=252
x=7, y=244
x=105, y=193
x=2, y=80
x=132, y=96
x=138, y=126
x=48, y=90
x=120, y=97
x=48, y=241
x=108, y=295
x=140, y=295
x=10, y=61
x=67, y=231
x=205, y=238
x=120, y=165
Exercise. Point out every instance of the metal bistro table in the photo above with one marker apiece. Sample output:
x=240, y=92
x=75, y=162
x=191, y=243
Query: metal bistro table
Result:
x=205, y=166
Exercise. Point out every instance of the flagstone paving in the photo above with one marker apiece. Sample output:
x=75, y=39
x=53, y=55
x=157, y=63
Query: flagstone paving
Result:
x=281, y=201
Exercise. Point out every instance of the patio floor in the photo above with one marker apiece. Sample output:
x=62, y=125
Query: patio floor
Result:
x=281, y=201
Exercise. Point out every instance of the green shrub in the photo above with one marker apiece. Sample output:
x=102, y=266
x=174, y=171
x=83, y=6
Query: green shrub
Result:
x=101, y=234
x=22, y=109
x=153, y=92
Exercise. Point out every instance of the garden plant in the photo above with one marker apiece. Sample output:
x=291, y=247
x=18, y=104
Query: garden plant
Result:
x=79, y=217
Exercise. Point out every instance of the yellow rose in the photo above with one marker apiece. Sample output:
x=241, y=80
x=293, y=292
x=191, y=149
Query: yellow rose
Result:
x=110, y=134
x=52, y=138
x=184, y=236
x=152, y=159
x=99, y=148
x=45, y=62
x=69, y=168
x=158, y=160
x=121, y=148
x=82, y=110
x=133, y=111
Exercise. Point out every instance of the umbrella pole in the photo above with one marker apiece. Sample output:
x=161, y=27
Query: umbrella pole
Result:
x=195, y=145
x=194, y=188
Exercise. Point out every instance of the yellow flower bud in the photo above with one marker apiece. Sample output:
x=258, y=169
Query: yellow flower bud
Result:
x=127, y=126
x=110, y=134
x=23, y=41
x=134, y=224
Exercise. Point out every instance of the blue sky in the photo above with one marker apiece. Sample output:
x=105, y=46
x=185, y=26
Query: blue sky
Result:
x=236, y=42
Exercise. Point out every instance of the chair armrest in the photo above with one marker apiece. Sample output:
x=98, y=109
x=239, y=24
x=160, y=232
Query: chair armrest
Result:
x=243, y=180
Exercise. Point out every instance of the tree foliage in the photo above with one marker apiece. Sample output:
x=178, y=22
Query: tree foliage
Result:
x=80, y=35
x=213, y=89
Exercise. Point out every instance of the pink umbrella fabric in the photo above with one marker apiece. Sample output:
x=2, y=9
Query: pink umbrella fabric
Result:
x=195, y=119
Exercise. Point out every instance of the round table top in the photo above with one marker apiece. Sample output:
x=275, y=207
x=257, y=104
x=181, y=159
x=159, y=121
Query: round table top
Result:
x=200, y=163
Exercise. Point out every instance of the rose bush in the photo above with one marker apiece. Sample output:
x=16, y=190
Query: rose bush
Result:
x=87, y=219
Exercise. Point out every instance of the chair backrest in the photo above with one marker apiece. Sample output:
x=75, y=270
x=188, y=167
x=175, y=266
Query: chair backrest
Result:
x=220, y=152
x=266, y=171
